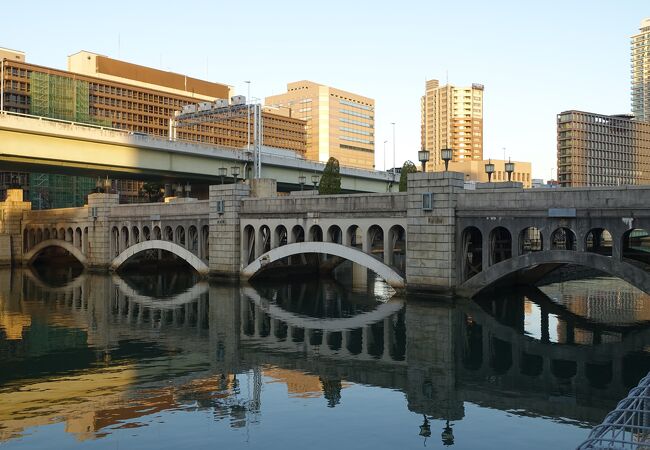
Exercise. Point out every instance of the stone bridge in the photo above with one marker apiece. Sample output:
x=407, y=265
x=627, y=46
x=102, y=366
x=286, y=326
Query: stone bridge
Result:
x=437, y=236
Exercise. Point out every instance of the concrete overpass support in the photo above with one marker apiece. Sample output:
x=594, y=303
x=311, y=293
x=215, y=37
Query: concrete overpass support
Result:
x=224, y=238
x=98, y=248
x=11, y=213
x=431, y=230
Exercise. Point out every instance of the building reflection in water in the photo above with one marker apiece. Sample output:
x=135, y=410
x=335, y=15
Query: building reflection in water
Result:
x=99, y=352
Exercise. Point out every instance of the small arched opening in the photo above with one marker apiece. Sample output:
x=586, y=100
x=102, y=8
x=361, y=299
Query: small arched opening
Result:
x=46, y=234
x=396, y=247
x=180, y=236
x=500, y=245
x=599, y=240
x=353, y=237
x=563, y=239
x=264, y=239
x=146, y=233
x=297, y=234
x=636, y=245
x=193, y=239
x=248, y=244
x=281, y=237
x=69, y=235
x=316, y=233
x=115, y=242
x=205, y=242
x=157, y=234
x=124, y=238
x=376, y=241
x=135, y=235
x=39, y=236
x=471, y=252
x=78, y=235
x=530, y=240
x=334, y=234
x=169, y=234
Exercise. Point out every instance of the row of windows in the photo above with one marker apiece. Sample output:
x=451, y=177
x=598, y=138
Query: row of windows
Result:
x=355, y=122
x=356, y=139
x=356, y=114
x=352, y=130
x=356, y=105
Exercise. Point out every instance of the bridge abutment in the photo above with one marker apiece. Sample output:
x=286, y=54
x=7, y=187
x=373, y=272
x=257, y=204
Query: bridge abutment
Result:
x=431, y=231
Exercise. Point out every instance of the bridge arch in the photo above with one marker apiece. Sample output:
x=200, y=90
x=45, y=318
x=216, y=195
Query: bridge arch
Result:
x=351, y=254
x=171, y=247
x=68, y=246
x=632, y=274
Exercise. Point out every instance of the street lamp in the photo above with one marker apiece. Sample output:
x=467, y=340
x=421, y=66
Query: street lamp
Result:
x=385, y=155
x=314, y=179
x=447, y=435
x=222, y=173
x=423, y=157
x=234, y=171
x=510, y=167
x=489, y=169
x=302, y=179
x=446, y=154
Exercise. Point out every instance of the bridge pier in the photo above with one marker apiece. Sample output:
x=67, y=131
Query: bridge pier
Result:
x=11, y=214
x=98, y=254
x=225, y=236
x=431, y=247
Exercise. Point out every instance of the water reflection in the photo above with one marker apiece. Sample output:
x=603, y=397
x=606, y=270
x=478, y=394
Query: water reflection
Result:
x=103, y=354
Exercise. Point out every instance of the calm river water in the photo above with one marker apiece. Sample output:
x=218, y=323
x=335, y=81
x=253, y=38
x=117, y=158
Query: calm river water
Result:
x=168, y=361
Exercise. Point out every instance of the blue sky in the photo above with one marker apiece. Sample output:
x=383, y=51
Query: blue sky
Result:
x=535, y=59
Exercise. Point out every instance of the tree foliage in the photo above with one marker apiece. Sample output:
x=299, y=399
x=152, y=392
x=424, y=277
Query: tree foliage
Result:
x=330, y=182
x=407, y=168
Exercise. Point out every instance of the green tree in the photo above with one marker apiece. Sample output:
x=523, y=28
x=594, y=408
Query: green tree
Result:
x=330, y=182
x=407, y=168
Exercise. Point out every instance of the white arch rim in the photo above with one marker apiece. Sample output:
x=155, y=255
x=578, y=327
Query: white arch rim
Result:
x=352, y=254
x=171, y=247
x=74, y=251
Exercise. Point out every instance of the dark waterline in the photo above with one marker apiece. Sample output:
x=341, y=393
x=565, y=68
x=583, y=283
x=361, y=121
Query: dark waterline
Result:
x=164, y=361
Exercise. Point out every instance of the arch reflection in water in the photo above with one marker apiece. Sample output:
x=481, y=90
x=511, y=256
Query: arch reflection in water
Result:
x=129, y=353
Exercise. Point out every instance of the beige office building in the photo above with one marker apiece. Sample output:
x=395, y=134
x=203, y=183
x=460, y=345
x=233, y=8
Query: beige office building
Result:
x=452, y=117
x=340, y=124
x=474, y=171
x=640, y=55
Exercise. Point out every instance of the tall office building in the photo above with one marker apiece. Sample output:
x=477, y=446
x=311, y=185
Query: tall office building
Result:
x=452, y=117
x=640, y=51
x=340, y=124
x=599, y=150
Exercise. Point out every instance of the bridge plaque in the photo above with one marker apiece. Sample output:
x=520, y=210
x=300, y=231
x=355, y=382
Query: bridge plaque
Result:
x=561, y=212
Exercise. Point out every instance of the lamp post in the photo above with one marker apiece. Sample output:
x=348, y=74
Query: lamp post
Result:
x=222, y=173
x=385, y=155
x=393, y=124
x=248, y=117
x=489, y=169
x=446, y=154
x=234, y=171
x=423, y=157
x=302, y=179
x=510, y=167
x=314, y=179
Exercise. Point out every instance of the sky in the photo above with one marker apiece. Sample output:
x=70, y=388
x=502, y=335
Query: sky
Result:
x=535, y=59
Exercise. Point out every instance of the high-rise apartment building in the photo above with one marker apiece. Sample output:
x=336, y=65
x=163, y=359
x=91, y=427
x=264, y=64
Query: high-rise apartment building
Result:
x=100, y=90
x=599, y=150
x=452, y=117
x=640, y=51
x=340, y=124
